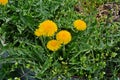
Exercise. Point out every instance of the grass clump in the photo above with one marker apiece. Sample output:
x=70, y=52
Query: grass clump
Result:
x=86, y=50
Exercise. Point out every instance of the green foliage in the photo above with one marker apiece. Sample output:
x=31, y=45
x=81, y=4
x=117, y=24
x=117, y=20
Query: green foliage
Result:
x=92, y=54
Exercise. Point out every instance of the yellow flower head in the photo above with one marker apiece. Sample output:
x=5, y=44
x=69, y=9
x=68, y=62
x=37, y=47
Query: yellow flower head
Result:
x=48, y=28
x=38, y=32
x=53, y=45
x=64, y=37
x=3, y=2
x=79, y=25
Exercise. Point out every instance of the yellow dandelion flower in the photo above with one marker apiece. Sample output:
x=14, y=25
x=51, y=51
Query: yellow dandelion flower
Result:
x=64, y=37
x=48, y=27
x=3, y=2
x=38, y=32
x=53, y=45
x=79, y=25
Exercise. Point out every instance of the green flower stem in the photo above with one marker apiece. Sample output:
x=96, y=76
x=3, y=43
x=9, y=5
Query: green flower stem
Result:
x=64, y=52
x=54, y=55
x=43, y=44
x=4, y=11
